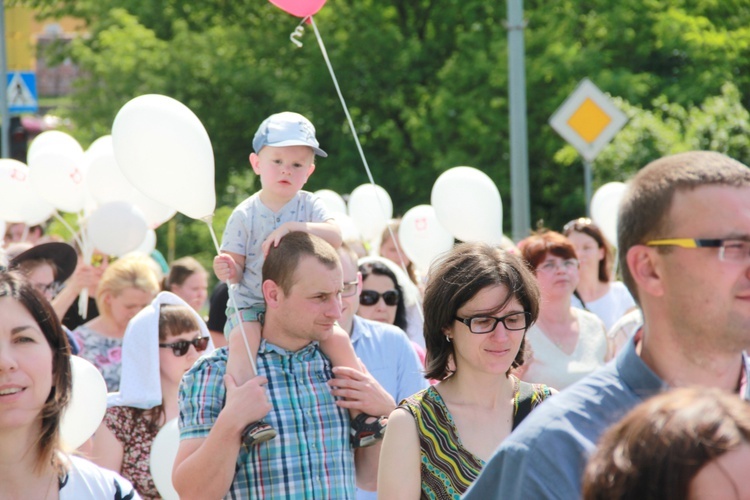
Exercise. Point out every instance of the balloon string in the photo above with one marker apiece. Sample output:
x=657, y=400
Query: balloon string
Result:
x=67, y=226
x=356, y=140
x=87, y=251
x=232, y=299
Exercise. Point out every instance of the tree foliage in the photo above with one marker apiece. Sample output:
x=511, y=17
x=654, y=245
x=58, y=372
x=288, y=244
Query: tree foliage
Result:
x=425, y=82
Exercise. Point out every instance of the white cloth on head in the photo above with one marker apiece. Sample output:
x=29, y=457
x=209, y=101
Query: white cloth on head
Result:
x=140, y=379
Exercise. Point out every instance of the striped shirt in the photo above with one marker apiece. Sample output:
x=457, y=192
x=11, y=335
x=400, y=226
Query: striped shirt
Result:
x=447, y=468
x=311, y=457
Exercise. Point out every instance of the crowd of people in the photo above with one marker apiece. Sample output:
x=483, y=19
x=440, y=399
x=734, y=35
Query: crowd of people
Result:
x=313, y=371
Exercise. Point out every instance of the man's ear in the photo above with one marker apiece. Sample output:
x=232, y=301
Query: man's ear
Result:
x=645, y=267
x=272, y=293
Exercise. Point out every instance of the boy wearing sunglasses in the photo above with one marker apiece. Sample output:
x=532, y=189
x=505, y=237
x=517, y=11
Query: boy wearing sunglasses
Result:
x=284, y=152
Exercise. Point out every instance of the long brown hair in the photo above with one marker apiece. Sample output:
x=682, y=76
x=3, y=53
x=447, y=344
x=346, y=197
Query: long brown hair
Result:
x=15, y=286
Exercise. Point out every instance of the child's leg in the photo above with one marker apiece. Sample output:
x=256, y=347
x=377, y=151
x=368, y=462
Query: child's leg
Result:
x=338, y=348
x=238, y=362
x=241, y=369
x=366, y=429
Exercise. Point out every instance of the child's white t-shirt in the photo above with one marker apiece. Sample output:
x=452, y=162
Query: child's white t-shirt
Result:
x=248, y=227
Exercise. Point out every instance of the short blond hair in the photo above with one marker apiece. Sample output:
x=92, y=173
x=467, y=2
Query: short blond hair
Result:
x=133, y=271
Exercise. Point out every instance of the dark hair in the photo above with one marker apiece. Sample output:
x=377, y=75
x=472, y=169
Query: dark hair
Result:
x=534, y=248
x=644, y=209
x=16, y=286
x=381, y=269
x=282, y=261
x=586, y=226
x=181, y=270
x=660, y=445
x=454, y=279
x=173, y=320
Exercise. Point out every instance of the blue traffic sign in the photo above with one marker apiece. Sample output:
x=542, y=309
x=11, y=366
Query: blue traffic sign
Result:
x=22, y=94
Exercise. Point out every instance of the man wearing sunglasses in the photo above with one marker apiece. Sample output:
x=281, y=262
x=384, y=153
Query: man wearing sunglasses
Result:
x=684, y=241
x=393, y=370
x=312, y=456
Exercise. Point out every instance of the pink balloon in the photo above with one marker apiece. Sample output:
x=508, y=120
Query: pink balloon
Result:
x=299, y=8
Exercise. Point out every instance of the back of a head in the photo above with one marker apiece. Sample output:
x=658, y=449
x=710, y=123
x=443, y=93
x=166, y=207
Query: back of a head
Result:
x=656, y=450
x=646, y=203
x=282, y=261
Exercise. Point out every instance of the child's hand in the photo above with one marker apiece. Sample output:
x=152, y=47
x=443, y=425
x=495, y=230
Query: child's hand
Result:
x=224, y=267
x=275, y=237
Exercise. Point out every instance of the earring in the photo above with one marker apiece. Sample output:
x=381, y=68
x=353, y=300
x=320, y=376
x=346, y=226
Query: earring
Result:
x=448, y=338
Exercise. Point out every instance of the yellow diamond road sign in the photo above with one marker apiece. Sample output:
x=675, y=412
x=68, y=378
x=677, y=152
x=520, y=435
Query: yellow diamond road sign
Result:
x=588, y=120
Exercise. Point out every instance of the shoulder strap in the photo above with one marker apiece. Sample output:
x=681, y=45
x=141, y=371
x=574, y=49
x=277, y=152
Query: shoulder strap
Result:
x=527, y=398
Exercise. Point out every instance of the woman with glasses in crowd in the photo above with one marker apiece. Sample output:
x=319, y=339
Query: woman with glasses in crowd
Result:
x=35, y=390
x=161, y=343
x=567, y=343
x=597, y=292
x=479, y=302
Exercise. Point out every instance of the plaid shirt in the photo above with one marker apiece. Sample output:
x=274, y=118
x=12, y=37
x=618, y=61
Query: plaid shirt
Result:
x=311, y=457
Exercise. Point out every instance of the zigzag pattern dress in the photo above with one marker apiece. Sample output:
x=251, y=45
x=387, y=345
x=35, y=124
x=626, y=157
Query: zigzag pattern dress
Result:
x=447, y=468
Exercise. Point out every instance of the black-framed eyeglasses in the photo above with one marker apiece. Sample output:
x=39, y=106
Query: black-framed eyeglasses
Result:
x=371, y=297
x=350, y=288
x=485, y=324
x=181, y=348
x=730, y=250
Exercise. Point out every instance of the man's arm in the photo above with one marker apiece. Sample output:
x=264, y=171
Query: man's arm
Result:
x=204, y=467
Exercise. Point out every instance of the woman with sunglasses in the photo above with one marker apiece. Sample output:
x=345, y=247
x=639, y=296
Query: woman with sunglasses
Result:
x=478, y=304
x=567, y=343
x=35, y=389
x=161, y=343
x=596, y=290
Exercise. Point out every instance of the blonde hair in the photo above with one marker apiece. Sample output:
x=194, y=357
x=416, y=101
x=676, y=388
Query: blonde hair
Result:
x=129, y=272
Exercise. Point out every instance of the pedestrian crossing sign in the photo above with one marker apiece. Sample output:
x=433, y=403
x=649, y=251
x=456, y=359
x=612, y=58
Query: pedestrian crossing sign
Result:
x=21, y=92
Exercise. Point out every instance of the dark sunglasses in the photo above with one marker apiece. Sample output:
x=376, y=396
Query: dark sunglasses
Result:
x=181, y=348
x=371, y=297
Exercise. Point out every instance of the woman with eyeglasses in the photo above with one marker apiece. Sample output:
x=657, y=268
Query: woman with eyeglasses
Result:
x=35, y=389
x=479, y=302
x=596, y=290
x=127, y=286
x=161, y=343
x=567, y=343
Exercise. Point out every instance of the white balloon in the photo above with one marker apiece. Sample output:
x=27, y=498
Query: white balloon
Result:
x=163, y=149
x=422, y=237
x=105, y=180
x=155, y=213
x=116, y=228
x=161, y=462
x=467, y=203
x=18, y=200
x=370, y=207
x=59, y=179
x=88, y=404
x=349, y=231
x=604, y=207
x=56, y=142
x=149, y=243
x=333, y=201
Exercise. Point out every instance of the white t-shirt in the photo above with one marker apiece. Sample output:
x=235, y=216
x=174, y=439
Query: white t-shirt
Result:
x=88, y=481
x=611, y=306
x=550, y=365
